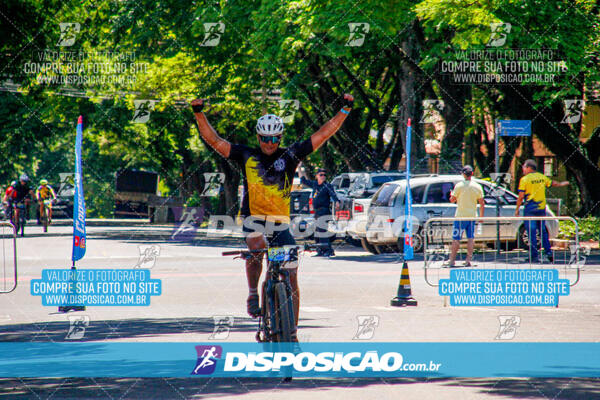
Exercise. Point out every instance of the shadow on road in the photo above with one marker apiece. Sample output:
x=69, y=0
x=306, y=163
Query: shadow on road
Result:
x=56, y=331
x=118, y=329
x=202, y=388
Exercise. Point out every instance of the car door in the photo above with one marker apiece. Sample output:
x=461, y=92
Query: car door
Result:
x=437, y=204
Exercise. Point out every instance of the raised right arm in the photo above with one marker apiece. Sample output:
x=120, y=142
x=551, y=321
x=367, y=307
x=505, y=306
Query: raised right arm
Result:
x=208, y=133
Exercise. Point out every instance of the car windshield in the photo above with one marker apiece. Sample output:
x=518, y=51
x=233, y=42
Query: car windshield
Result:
x=384, y=195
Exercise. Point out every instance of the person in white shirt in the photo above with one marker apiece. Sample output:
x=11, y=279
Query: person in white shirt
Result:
x=466, y=195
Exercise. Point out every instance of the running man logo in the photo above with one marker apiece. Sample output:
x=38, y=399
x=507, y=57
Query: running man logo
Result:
x=508, y=326
x=68, y=33
x=573, y=111
x=366, y=327
x=207, y=359
x=499, y=33
x=78, y=324
x=212, y=34
x=432, y=111
x=212, y=184
x=358, y=32
x=579, y=255
x=436, y=259
x=288, y=109
x=189, y=221
x=141, y=115
x=223, y=325
x=148, y=255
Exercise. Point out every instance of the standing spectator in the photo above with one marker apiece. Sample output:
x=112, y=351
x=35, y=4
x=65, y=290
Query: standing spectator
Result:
x=466, y=195
x=532, y=189
x=322, y=196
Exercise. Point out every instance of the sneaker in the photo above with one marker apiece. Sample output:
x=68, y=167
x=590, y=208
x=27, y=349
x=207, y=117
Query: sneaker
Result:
x=252, y=306
x=550, y=258
x=468, y=264
x=448, y=265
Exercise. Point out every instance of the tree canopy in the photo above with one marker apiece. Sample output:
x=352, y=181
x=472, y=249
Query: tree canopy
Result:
x=246, y=57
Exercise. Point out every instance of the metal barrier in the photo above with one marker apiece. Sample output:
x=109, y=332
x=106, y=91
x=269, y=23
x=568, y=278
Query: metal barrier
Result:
x=5, y=237
x=508, y=230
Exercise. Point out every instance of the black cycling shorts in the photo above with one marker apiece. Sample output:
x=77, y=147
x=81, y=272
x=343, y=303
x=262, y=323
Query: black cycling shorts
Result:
x=277, y=234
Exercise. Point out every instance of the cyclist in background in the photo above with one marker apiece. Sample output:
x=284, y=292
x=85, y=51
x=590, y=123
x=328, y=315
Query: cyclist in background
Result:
x=23, y=192
x=9, y=198
x=45, y=192
x=268, y=173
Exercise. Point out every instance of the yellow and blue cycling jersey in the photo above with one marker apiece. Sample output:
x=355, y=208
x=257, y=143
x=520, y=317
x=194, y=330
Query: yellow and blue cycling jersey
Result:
x=534, y=185
x=45, y=192
x=268, y=179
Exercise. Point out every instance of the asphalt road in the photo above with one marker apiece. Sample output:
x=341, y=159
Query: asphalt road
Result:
x=200, y=285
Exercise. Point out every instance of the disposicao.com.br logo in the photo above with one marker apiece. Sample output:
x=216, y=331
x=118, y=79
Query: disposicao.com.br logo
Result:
x=303, y=362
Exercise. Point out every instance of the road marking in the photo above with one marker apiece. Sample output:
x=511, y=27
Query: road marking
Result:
x=316, y=309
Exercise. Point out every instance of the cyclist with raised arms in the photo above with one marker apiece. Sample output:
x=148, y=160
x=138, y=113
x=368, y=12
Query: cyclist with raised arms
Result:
x=268, y=172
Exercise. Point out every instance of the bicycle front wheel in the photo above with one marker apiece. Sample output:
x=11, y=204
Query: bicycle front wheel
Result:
x=44, y=218
x=284, y=313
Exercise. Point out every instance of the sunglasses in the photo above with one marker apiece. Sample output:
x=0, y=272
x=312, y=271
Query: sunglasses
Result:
x=270, y=139
x=321, y=175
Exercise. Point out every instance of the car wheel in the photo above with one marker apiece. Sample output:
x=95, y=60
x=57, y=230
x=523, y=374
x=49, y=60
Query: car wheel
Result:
x=523, y=238
x=386, y=249
x=417, y=242
x=368, y=246
x=353, y=242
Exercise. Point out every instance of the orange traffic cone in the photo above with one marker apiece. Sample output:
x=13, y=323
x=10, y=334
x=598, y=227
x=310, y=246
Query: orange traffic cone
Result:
x=404, y=296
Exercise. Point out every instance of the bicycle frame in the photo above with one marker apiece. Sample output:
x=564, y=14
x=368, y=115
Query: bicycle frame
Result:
x=269, y=330
x=275, y=274
x=18, y=217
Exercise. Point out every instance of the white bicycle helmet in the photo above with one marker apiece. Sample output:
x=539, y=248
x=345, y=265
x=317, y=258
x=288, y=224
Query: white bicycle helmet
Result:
x=269, y=125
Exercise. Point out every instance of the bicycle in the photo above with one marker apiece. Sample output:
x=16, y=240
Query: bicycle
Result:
x=18, y=218
x=277, y=321
x=44, y=215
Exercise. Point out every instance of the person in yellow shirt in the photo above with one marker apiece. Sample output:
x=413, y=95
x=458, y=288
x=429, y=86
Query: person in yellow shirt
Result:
x=45, y=192
x=268, y=174
x=532, y=190
x=466, y=195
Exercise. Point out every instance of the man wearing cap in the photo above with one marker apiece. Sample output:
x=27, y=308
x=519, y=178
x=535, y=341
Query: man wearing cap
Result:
x=322, y=196
x=532, y=189
x=466, y=195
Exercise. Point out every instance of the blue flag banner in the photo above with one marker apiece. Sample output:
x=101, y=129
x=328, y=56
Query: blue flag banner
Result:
x=79, y=202
x=355, y=360
x=408, y=248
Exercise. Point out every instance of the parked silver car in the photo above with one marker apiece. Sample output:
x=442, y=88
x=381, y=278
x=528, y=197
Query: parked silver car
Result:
x=431, y=198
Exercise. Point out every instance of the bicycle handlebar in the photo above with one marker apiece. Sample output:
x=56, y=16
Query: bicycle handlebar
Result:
x=307, y=247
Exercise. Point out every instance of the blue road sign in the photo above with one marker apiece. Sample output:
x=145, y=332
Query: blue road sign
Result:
x=514, y=127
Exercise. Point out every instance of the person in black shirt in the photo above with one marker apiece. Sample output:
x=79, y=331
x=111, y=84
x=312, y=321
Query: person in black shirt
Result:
x=268, y=172
x=23, y=193
x=322, y=196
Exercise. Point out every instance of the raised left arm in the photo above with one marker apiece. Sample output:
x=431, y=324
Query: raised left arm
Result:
x=333, y=125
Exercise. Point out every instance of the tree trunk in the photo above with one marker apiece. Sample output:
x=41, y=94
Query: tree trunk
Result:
x=454, y=97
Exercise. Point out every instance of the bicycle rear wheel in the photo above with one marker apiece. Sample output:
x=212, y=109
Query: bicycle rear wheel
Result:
x=284, y=313
x=15, y=222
